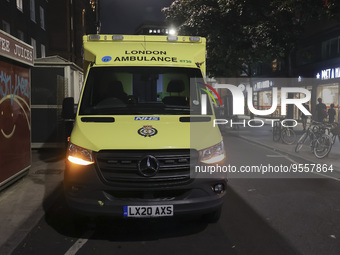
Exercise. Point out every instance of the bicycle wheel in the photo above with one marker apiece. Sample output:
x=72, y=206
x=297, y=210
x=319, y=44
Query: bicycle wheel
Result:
x=322, y=146
x=276, y=133
x=288, y=136
x=301, y=142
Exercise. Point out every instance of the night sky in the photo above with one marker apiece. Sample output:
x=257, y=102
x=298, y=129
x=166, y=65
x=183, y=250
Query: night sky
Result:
x=124, y=16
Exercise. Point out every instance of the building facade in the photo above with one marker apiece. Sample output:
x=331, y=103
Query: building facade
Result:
x=68, y=21
x=26, y=20
x=315, y=66
x=54, y=28
x=318, y=57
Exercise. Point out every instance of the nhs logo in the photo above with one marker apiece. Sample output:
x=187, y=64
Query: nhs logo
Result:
x=147, y=118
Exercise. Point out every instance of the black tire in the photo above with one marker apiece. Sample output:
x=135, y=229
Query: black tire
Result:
x=276, y=133
x=288, y=136
x=322, y=146
x=301, y=142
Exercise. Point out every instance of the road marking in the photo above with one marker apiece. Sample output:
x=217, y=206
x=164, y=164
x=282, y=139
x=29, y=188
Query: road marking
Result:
x=276, y=156
x=79, y=243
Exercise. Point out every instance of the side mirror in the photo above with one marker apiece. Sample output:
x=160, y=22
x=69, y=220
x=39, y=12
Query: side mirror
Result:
x=68, y=108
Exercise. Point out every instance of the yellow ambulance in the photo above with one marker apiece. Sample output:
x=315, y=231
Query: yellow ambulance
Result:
x=139, y=134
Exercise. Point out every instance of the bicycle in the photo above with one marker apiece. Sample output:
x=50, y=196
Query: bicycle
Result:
x=322, y=146
x=325, y=142
x=319, y=139
x=286, y=134
x=334, y=131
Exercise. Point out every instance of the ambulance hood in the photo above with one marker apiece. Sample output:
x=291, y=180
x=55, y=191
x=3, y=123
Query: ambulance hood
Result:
x=143, y=132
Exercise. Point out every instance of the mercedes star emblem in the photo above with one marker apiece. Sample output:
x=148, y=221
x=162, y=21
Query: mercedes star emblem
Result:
x=148, y=166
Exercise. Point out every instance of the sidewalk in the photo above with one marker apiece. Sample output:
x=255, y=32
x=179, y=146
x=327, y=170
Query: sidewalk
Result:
x=264, y=136
x=25, y=202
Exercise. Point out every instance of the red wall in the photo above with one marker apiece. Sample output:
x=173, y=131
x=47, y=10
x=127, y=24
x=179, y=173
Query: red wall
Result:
x=15, y=120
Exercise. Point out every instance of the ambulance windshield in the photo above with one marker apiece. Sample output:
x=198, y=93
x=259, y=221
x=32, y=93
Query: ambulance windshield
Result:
x=140, y=90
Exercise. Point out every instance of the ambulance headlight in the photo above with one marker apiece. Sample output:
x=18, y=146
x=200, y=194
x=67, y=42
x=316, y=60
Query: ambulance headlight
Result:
x=213, y=154
x=78, y=155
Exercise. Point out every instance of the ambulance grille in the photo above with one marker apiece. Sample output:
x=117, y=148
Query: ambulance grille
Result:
x=121, y=167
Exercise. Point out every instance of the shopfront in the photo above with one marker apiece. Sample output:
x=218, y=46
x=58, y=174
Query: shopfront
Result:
x=329, y=93
x=16, y=59
x=296, y=111
x=263, y=97
x=328, y=88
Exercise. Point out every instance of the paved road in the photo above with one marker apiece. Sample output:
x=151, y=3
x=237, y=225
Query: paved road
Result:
x=260, y=216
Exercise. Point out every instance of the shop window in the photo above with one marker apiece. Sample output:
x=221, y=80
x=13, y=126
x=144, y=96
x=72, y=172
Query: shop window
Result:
x=266, y=102
x=296, y=111
x=329, y=94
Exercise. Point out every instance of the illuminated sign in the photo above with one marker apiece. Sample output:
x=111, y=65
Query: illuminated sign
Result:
x=330, y=73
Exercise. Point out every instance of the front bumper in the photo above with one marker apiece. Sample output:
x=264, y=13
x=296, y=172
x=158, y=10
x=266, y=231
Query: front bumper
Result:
x=88, y=194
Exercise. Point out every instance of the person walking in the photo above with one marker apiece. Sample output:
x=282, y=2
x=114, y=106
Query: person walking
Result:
x=331, y=114
x=321, y=110
x=304, y=117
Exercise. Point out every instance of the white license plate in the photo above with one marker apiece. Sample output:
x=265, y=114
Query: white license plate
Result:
x=148, y=211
